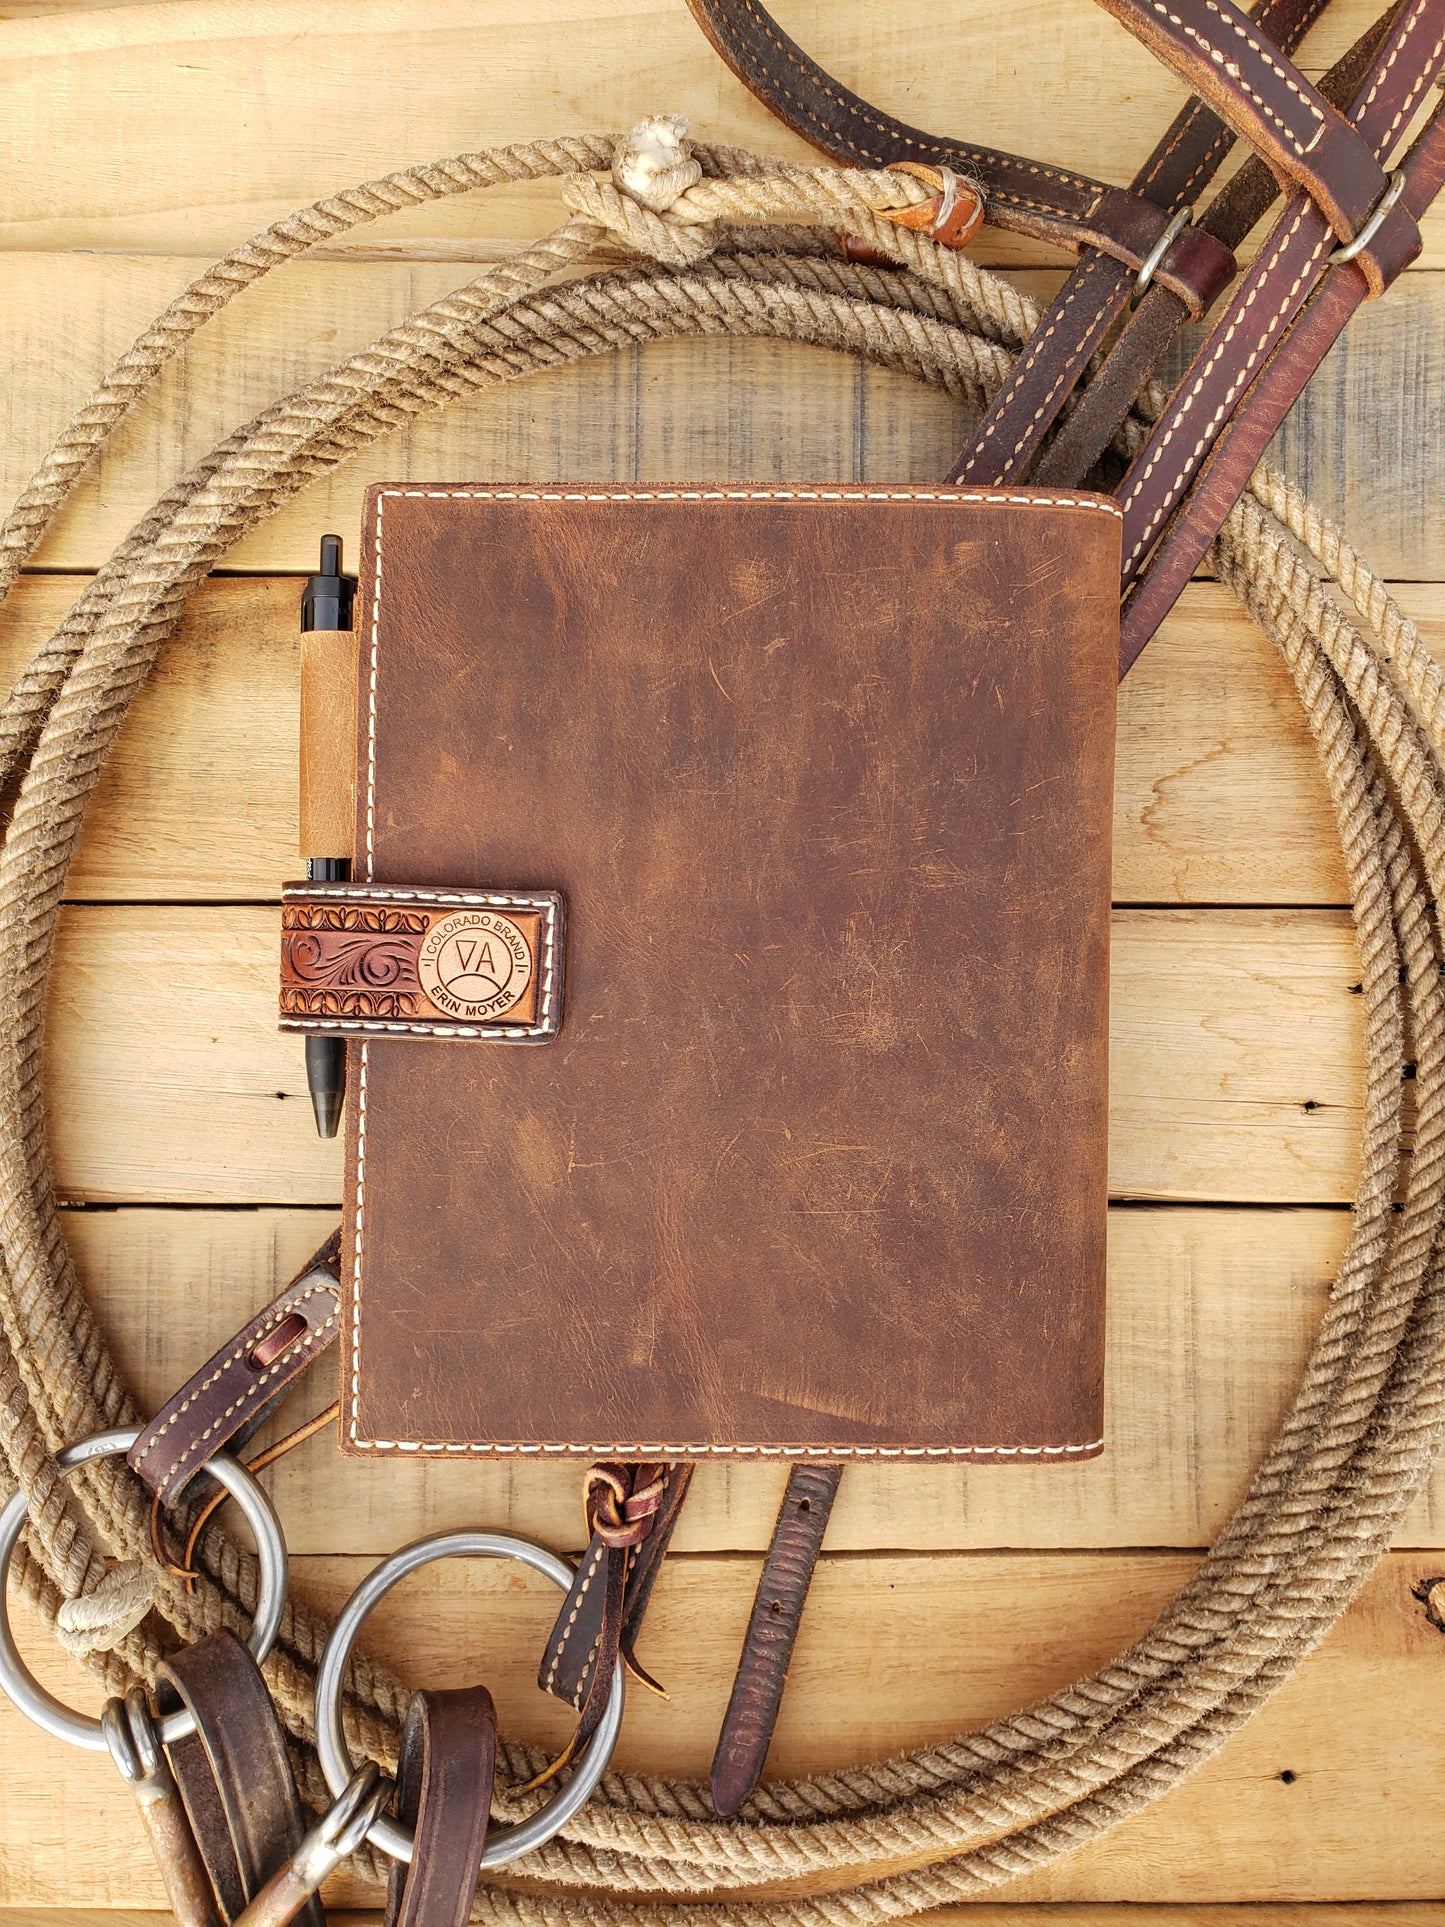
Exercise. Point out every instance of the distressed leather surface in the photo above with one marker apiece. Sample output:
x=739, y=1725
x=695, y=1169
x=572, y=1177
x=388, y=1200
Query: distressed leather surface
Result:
x=444, y=1794
x=234, y=1773
x=817, y=1161
x=787, y=1575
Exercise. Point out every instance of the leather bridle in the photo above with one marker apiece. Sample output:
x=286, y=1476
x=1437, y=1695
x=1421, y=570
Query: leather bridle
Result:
x=1346, y=231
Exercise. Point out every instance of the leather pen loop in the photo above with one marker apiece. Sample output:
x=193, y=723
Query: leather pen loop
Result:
x=1150, y=264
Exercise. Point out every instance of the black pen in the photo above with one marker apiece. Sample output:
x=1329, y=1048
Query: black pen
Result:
x=326, y=604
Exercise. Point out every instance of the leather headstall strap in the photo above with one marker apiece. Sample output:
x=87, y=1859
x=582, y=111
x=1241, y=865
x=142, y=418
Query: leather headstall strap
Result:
x=747, y=1728
x=1100, y=289
x=233, y=1773
x=1159, y=314
x=1346, y=232
x=1115, y=231
x=632, y=1512
x=444, y=1794
x=1271, y=336
x=221, y=1406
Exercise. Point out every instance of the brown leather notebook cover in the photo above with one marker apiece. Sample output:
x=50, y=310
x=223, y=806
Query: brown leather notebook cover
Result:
x=815, y=1163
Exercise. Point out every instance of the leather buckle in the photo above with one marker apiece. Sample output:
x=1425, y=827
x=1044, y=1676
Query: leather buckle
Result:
x=1149, y=265
x=1374, y=221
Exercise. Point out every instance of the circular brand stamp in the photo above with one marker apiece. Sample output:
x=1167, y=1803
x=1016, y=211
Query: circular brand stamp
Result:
x=475, y=964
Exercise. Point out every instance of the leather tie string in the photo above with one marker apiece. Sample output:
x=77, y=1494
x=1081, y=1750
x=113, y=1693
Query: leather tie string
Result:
x=631, y=1513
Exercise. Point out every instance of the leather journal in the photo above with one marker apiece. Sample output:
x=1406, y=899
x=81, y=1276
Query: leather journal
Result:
x=724, y=972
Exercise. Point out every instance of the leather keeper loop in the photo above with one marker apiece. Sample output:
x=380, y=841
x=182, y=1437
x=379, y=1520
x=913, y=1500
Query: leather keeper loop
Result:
x=1198, y=267
x=1387, y=243
x=444, y=1791
x=1259, y=92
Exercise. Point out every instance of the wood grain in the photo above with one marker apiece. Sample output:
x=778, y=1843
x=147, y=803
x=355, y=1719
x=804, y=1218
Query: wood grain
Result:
x=1333, y=1792
x=1235, y=1059
x=1051, y=79
x=1211, y=1313
x=143, y=140
x=708, y=409
x=1396, y=1913
x=1218, y=797
x=1388, y=1913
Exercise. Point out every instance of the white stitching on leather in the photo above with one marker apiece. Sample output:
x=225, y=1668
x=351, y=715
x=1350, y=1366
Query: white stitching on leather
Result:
x=642, y=1448
x=1224, y=334
x=357, y=1243
x=1237, y=26
x=810, y=70
x=246, y=1342
x=662, y=1449
x=1103, y=505
x=1014, y=386
x=599, y=1553
x=1416, y=88
x=1283, y=312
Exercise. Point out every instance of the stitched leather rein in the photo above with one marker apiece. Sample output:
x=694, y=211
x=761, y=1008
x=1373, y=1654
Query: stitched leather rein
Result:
x=1323, y=151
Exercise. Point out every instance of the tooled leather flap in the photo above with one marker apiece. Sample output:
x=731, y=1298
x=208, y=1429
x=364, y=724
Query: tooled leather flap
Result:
x=365, y=959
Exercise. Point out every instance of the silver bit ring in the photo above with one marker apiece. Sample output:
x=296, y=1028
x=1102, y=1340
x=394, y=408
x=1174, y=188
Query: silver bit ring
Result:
x=16, y=1679
x=505, y=1843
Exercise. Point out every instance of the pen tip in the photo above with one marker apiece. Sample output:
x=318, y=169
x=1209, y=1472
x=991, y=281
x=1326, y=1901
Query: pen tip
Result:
x=327, y=1107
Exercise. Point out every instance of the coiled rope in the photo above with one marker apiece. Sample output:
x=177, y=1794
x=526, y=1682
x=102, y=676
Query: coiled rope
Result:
x=724, y=242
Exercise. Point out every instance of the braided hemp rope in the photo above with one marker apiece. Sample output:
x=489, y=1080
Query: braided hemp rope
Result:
x=961, y=1817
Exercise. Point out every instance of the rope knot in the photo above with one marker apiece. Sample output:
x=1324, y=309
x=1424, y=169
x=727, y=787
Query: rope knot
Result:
x=654, y=164
x=98, y=1620
x=652, y=169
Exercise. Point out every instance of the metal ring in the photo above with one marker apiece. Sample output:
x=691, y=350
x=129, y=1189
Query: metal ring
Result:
x=21, y=1685
x=506, y=1842
x=1157, y=253
x=354, y=1812
x=1347, y=250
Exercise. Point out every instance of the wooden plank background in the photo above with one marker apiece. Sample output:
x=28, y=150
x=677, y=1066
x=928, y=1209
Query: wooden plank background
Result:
x=137, y=141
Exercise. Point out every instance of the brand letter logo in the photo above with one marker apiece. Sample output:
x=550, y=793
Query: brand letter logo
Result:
x=475, y=964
